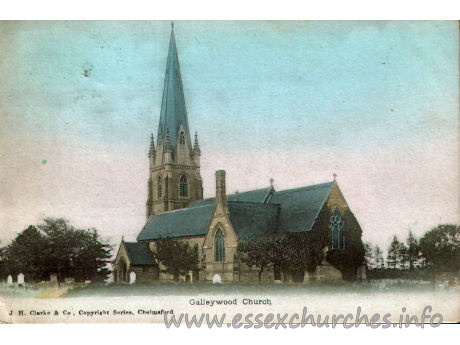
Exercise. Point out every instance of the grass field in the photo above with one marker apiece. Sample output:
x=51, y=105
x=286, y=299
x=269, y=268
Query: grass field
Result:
x=185, y=289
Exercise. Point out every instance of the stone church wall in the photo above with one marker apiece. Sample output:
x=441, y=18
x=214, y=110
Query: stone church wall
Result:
x=336, y=200
x=145, y=274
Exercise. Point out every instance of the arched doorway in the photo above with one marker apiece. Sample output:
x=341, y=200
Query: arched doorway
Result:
x=122, y=271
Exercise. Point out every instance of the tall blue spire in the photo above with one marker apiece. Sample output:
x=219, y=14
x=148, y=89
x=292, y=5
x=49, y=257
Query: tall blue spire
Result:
x=173, y=110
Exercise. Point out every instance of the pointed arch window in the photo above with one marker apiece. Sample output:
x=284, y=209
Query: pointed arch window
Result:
x=159, y=188
x=337, y=227
x=219, y=245
x=182, y=138
x=183, y=186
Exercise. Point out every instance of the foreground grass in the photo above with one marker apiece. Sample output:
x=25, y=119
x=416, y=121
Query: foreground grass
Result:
x=186, y=289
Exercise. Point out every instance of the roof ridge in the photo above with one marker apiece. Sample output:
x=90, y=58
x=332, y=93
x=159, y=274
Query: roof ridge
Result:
x=252, y=190
x=250, y=203
x=234, y=194
x=299, y=189
x=181, y=209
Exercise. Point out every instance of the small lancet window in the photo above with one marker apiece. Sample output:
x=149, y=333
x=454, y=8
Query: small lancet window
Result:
x=182, y=138
x=183, y=186
x=159, y=188
x=219, y=245
x=337, y=227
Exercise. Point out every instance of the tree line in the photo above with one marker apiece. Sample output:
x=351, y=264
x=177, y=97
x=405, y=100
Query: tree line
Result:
x=56, y=247
x=437, y=250
x=292, y=253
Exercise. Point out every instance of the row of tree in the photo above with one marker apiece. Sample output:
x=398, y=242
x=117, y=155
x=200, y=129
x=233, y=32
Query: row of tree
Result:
x=295, y=253
x=56, y=247
x=292, y=253
x=438, y=249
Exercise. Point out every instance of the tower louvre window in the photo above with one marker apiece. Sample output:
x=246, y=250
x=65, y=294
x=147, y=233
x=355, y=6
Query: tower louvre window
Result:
x=182, y=138
x=159, y=188
x=183, y=186
x=166, y=192
x=219, y=245
x=337, y=227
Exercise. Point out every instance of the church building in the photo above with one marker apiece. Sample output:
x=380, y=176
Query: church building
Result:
x=175, y=209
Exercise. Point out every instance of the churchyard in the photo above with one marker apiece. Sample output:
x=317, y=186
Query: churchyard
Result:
x=185, y=289
x=18, y=287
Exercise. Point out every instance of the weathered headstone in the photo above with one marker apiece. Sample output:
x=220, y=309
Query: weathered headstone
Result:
x=361, y=273
x=325, y=250
x=216, y=279
x=53, y=279
x=69, y=280
x=9, y=280
x=20, y=279
x=132, y=277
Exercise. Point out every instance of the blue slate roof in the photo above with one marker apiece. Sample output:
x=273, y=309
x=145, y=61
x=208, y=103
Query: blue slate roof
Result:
x=184, y=222
x=300, y=207
x=251, y=220
x=256, y=213
x=173, y=110
x=139, y=253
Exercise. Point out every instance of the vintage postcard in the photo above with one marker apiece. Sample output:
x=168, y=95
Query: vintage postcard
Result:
x=249, y=173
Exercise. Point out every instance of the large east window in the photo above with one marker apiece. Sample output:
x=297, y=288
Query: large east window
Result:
x=337, y=227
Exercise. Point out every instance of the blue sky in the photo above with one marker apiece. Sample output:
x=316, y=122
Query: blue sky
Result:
x=376, y=102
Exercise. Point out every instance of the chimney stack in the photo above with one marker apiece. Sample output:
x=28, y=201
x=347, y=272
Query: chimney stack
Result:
x=221, y=195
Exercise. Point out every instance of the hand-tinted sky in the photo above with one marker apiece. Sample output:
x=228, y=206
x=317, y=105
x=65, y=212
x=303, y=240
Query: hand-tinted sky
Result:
x=376, y=102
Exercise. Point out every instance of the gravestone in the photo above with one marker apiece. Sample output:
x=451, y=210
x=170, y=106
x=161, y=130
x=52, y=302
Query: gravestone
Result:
x=69, y=280
x=216, y=279
x=132, y=277
x=325, y=250
x=20, y=279
x=361, y=273
x=53, y=278
x=9, y=280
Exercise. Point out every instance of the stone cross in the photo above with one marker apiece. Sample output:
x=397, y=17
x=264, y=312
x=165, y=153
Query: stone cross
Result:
x=216, y=279
x=132, y=277
x=20, y=279
x=9, y=280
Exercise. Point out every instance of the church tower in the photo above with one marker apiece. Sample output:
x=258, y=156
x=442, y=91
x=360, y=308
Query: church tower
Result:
x=174, y=178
